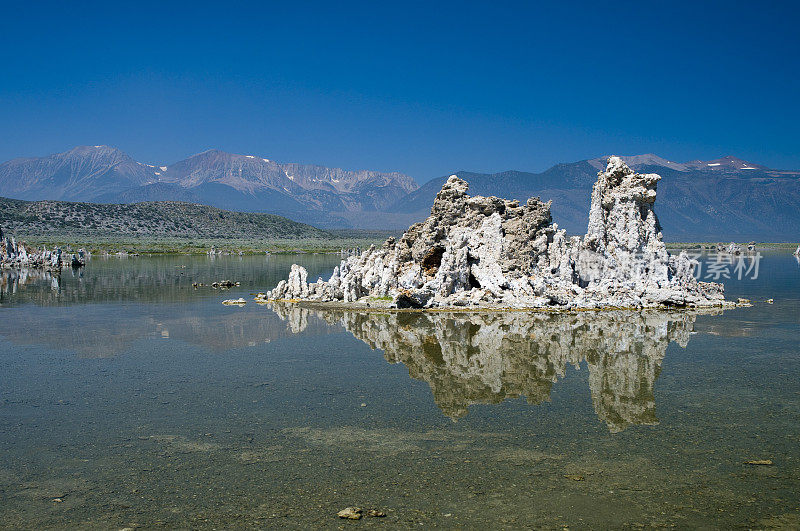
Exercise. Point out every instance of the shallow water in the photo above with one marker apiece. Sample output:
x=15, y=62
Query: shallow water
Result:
x=129, y=398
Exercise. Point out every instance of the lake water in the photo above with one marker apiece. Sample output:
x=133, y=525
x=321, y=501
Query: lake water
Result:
x=130, y=399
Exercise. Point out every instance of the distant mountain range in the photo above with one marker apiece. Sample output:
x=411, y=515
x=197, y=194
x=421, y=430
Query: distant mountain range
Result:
x=104, y=174
x=727, y=198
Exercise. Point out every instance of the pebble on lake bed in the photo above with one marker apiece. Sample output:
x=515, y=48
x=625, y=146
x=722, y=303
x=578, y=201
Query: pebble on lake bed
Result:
x=234, y=302
x=350, y=513
x=762, y=462
x=375, y=513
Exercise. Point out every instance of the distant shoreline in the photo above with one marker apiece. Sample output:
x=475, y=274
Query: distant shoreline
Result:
x=200, y=246
x=348, y=240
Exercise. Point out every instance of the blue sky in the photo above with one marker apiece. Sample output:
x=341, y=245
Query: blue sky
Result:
x=426, y=88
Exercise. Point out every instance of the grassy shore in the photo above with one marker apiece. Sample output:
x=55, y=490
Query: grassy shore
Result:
x=341, y=239
x=743, y=245
x=176, y=245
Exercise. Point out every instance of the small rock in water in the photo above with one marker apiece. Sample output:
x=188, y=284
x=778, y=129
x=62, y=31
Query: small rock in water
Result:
x=234, y=302
x=375, y=513
x=742, y=301
x=762, y=462
x=350, y=513
x=574, y=477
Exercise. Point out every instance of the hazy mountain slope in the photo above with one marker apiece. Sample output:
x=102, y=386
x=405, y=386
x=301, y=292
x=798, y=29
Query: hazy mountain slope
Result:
x=361, y=190
x=214, y=177
x=85, y=172
x=151, y=192
x=170, y=219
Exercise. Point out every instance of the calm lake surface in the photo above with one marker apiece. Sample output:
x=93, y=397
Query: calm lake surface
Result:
x=130, y=399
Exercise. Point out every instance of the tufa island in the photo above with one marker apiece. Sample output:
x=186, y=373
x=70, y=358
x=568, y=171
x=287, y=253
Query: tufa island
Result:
x=488, y=252
x=19, y=255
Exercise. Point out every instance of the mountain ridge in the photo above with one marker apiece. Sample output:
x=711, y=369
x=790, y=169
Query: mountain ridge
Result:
x=700, y=200
x=146, y=219
x=723, y=198
x=214, y=177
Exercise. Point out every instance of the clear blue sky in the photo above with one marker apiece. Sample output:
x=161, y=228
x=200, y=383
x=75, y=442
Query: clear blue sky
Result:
x=425, y=88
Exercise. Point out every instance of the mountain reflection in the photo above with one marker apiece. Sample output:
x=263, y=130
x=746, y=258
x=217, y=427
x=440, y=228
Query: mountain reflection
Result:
x=104, y=309
x=486, y=358
x=160, y=279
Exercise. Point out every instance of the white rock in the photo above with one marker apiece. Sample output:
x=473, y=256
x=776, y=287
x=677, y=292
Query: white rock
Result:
x=487, y=251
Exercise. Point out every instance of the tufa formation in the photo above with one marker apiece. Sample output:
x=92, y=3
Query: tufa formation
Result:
x=492, y=252
x=19, y=255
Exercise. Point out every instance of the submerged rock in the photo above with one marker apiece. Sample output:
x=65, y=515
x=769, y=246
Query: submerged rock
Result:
x=487, y=251
x=759, y=462
x=224, y=284
x=350, y=513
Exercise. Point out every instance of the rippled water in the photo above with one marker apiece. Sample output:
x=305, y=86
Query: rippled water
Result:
x=128, y=398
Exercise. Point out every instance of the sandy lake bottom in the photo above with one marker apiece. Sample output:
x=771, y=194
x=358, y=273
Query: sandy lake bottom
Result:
x=130, y=399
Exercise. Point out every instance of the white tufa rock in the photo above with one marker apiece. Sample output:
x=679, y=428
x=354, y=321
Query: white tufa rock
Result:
x=17, y=255
x=492, y=252
x=733, y=249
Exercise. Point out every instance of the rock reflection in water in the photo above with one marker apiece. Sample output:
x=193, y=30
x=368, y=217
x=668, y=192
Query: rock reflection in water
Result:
x=100, y=312
x=486, y=358
x=12, y=280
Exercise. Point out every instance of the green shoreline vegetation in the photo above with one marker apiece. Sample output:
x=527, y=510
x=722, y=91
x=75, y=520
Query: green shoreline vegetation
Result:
x=189, y=246
x=743, y=245
x=335, y=241
x=169, y=227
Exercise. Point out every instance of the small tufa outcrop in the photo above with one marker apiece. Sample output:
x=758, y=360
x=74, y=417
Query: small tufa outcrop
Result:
x=732, y=248
x=492, y=252
x=78, y=259
x=17, y=254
